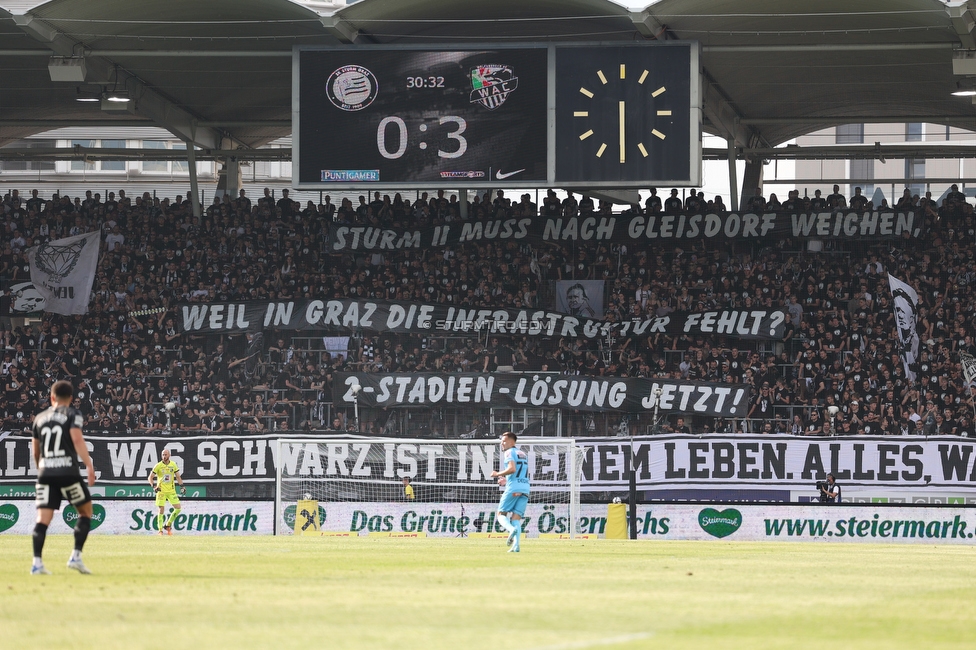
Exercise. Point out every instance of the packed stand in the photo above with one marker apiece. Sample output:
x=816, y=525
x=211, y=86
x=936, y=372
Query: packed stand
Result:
x=136, y=371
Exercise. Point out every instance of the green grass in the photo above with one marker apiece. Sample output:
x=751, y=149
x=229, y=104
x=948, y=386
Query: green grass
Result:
x=262, y=592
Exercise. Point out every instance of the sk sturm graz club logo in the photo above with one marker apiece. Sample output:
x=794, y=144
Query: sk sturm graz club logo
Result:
x=57, y=260
x=352, y=88
x=492, y=84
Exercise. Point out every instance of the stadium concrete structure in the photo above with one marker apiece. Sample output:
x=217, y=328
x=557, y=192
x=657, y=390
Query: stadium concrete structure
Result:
x=219, y=74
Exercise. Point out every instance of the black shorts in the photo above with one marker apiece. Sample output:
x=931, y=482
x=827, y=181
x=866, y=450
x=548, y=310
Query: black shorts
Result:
x=51, y=489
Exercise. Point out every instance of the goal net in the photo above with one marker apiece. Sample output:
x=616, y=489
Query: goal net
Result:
x=356, y=485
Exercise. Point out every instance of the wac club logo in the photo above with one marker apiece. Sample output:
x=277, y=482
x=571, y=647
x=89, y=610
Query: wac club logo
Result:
x=492, y=84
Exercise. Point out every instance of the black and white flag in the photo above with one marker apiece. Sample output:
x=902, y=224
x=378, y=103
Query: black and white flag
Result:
x=905, y=305
x=63, y=272
x=968, y=367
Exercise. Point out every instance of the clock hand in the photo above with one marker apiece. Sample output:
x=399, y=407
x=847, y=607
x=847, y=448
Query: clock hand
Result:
x=621, y=120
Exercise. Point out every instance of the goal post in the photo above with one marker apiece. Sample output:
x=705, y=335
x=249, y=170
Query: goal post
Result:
x=357, y=485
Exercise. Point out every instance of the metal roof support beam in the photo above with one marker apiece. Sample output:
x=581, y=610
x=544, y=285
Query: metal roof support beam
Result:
x=196, y=54
x=88, y=122
x=847, y=152
x=84, y=153
x=962, y=15
x=733, y=179
x=149, y=103
x=191, y=159
x=877, y=182
x=341, y=29
x=874, y=119
x=62, y=124
x=39, y=31
x=824, y=47
x=724, y=115
x=647, y=24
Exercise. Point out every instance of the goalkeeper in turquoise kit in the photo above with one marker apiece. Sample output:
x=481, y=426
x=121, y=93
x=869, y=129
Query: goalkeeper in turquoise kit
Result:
x=515, y=479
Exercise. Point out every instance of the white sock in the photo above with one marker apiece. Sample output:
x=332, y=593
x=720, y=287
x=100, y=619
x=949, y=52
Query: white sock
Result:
x=75, y=555
x=38, y=561
x=505, y=523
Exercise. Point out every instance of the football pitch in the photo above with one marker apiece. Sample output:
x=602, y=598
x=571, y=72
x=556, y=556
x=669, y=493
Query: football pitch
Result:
x=264, y=592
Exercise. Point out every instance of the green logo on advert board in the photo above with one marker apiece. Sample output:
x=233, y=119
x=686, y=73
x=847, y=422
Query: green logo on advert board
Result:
x=9, y=514
x=98, y=516
x=720, y=524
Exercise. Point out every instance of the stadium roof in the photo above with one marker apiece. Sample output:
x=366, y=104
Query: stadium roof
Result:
x=219, y=72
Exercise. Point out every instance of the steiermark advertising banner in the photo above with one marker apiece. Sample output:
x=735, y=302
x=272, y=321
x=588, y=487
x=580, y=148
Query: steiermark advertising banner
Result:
x=703, y=522
x=134, y=518
x=668, y=521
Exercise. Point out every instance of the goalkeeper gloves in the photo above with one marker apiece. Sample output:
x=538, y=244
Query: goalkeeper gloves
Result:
x=182, y=490
x=156, y=489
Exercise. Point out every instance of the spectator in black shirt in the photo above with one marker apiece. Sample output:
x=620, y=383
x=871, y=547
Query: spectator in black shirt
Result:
x=673, y=204
x=653, y=203
x=836, y=201
x=504, y=358
x=818, y=203
x=858, y=202
x=756, y=203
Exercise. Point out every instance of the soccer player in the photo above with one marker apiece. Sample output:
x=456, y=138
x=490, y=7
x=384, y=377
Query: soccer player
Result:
x=162, y=478
x=515, y=479
x=57, y=445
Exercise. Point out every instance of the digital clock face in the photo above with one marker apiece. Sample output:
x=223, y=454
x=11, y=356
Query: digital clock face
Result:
x=468, y=117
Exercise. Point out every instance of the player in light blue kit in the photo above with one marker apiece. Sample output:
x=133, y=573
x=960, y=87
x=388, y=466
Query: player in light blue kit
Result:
x=515, y=479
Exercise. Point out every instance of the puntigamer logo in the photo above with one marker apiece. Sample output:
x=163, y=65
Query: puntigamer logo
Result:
x=720, y=524
x=9, y=514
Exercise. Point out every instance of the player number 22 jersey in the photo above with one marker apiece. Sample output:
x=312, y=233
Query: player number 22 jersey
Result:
x=52, y=431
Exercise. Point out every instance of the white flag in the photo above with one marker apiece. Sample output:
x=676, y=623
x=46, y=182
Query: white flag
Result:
x=63, y=271
x=968, y=367
x=905, y=307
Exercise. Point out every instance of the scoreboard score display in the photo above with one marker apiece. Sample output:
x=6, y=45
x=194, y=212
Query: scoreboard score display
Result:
x=496, y=116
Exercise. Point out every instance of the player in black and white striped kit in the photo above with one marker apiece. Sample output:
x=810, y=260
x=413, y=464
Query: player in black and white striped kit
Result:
x=58, y=444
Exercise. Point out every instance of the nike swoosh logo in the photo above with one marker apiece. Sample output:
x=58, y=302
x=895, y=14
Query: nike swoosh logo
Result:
x=500, y=176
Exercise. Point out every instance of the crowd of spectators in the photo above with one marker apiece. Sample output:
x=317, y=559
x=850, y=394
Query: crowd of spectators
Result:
x=129, y=360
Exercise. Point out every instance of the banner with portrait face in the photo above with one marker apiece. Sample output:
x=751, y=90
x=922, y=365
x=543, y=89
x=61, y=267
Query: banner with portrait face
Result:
x=905, y=306
x=580, y=298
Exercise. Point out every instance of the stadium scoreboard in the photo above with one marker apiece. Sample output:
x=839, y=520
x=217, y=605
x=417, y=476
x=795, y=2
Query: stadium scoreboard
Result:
x=576, y=115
